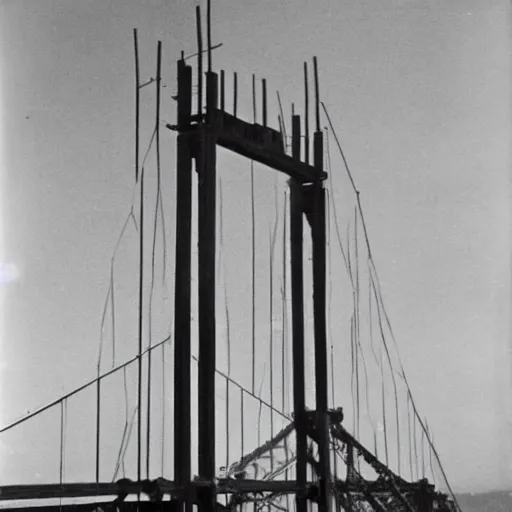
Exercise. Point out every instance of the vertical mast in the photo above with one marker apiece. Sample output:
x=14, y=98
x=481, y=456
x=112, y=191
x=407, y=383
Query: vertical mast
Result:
x=182, y=303
x=297, y=290
x=141, y=260
x=317, y=212
x=206, y=281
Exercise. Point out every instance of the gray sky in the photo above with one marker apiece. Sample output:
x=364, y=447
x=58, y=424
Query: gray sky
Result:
x=419, y=93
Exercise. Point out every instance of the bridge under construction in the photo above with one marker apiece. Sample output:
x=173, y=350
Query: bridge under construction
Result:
x=311, y=460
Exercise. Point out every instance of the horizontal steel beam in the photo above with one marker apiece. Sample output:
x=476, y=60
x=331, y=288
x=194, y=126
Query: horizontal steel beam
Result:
x=229, y=486
x=129, y=506
x=259, y=143
x=167, y=487
x=378, y=487
x=224, y=486
x=296, y=169
x=72, y=490
x=236, y=128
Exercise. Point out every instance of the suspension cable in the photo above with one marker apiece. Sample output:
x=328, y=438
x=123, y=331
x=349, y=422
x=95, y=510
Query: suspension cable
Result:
x=384, y=311
x=79, y=389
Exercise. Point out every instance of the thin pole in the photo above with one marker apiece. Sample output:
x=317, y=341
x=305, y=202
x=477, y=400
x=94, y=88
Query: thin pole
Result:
x=61, y=468
x=317, y=95
x=410, y=437
x=222, y=89
x=284, y=314
x=199, y=62
x=137, y=104
x=141, y=262
x=264, y=101
x=209, y=32
x=113, y=309
x=235, y=92
x=253, y=249
x=422, y=453
x=227, y=424
x=157, y=136
x=163, y=412
x=242, y=422
x=332, y=378
x=415, y=448
x=306, y=114
x=141, y=320
x=254, y=99
x=271, y=346
x=98, y=409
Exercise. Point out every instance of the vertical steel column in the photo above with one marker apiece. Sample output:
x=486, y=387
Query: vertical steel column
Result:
x=222, y=87
x=319, y=308
x=264, y=102
x=320, y=328
x=182, y=457
x=199, y=34
x=297, y=290
x=206, y=244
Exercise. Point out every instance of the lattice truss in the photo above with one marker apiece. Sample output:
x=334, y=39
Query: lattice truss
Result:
x=352, y=489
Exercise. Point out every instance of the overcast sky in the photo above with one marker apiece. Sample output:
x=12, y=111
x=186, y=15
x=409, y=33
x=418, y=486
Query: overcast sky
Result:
x=419, y=93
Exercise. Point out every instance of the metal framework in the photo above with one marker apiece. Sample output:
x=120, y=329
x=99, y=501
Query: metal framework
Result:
x=198, y=135
x=245, y=485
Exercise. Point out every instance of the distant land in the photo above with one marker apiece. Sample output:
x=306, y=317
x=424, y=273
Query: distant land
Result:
x=495, y=501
